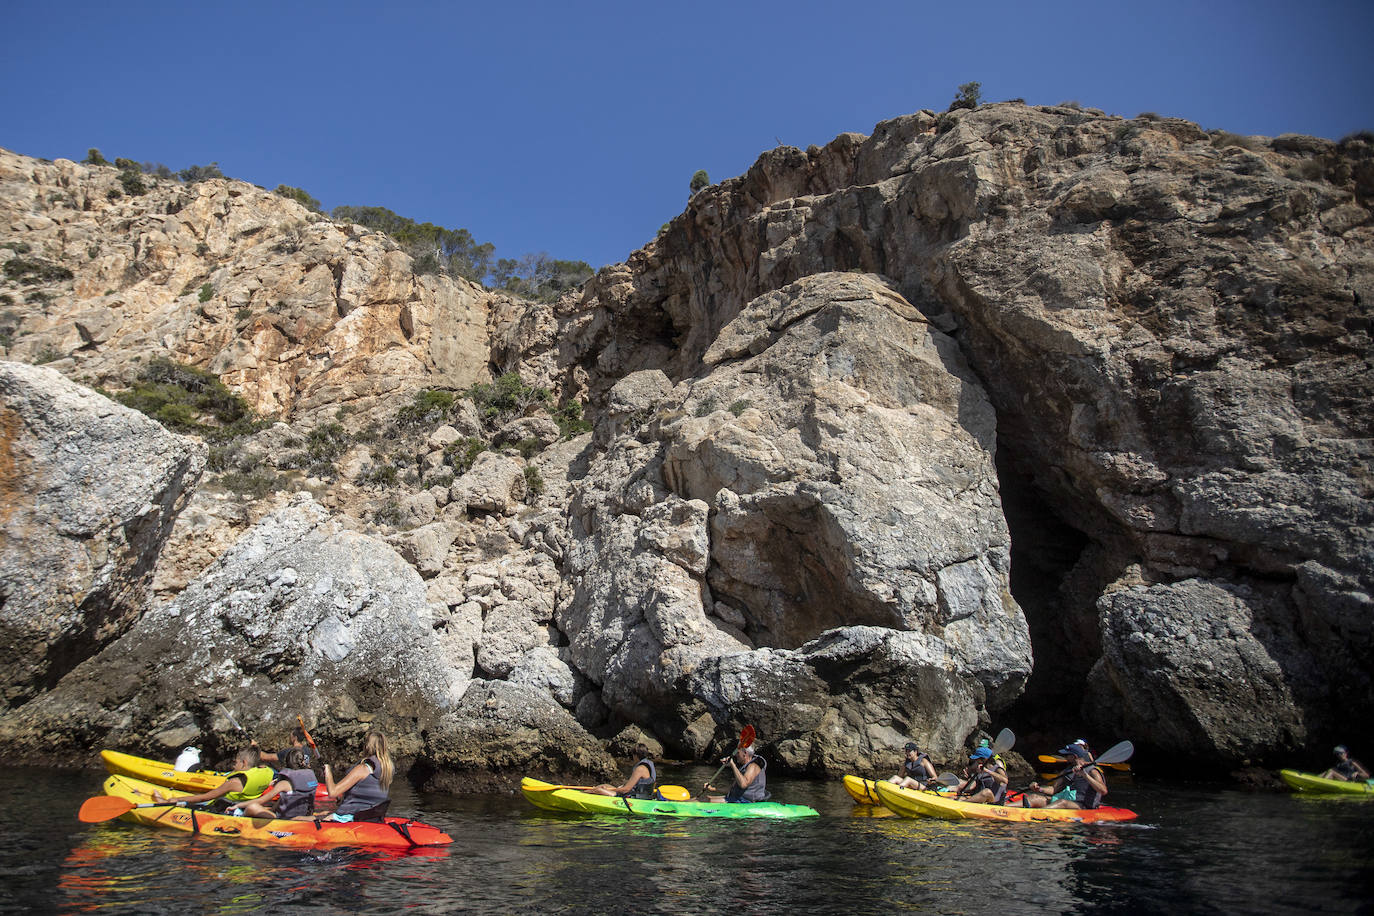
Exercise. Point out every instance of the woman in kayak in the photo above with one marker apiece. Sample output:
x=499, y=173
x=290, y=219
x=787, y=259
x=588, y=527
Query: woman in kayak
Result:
x=751, y=783
x=1347, y=768
x=917, y=770
x=1079, y=786
x=292, y=796
x=643, y=781
x=249, y=780
x=365, y=793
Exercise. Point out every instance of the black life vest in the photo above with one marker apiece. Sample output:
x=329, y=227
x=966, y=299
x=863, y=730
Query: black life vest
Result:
x=645, y=788
x=757, y=790
x=300, y=799
x=914, y=770
x=1083, y=792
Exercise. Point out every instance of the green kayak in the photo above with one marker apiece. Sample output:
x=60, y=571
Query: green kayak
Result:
x=559, y=798
x=1308, y=782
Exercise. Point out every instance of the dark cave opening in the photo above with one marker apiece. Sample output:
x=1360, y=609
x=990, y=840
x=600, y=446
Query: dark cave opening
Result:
x=1047, y=556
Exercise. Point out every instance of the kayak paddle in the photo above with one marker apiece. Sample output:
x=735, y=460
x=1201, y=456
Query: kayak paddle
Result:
x=100, y=808
x=746, y=739
x=1054, y=758
x=1004, y=742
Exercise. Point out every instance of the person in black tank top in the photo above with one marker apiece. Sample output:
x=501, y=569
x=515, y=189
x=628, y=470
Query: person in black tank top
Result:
x=917, y=770
x=1347, y=768
x=643, y=780
x=365, y=792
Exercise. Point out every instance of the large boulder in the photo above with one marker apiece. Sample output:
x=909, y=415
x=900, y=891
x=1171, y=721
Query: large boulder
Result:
x=88, y=493
x=834, y=468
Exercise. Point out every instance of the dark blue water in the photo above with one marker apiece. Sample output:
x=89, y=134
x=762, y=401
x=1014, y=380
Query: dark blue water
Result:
x=1194, y=850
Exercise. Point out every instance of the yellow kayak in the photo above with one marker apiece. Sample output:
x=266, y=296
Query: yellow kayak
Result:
x=161, y=773
x=910, y=803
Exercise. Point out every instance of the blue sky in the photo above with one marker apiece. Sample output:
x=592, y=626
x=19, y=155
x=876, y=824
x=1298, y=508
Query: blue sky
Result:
x=575, y=128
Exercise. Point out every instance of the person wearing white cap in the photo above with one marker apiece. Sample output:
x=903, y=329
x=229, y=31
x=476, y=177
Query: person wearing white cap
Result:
x=1081, y=785
x=1347, y=768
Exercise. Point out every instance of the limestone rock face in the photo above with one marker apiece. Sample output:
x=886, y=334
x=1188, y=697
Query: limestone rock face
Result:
x=88, y=493
x=292, y=311
x=1172, y=329
x=834, y=468
x=298, y=617
x=845, y=407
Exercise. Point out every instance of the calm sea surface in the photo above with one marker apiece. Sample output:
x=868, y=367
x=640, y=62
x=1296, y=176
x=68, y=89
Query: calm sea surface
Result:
x=1194, y=850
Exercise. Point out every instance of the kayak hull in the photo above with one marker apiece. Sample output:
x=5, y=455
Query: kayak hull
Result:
x=910, y=803
x=161, y=773
x=1314, y=784
x=396, y=832
x=863, y=791
x=547, y=796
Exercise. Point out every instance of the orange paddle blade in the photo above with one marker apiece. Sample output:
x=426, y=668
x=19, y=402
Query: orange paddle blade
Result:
x=103, y=808
x=308, y=740
x=746, y=736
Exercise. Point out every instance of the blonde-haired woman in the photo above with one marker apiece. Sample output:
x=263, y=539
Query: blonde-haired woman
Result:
x=365, y=793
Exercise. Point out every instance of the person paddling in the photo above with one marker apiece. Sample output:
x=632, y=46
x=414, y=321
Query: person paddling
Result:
x=297, y=742
x=643, y=781
x=987, y=784
x=292, y=796
x=917, y=770
x=249, y=780
x=1081, y=785
x=1347, y=768
x=751, y=781
x=365, y=792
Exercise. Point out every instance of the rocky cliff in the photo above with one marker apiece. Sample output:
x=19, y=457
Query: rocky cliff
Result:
x=1014, y=413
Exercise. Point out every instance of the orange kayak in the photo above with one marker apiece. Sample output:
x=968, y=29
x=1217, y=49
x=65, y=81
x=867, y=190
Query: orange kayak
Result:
x=393, y=832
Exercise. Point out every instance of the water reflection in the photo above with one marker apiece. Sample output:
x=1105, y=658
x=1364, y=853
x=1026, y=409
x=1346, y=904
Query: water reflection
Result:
x=1195, y=850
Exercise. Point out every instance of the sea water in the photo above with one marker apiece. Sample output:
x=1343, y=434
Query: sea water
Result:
x=1194, y=849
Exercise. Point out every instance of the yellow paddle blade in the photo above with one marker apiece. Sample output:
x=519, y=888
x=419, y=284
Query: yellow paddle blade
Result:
x=675, y=793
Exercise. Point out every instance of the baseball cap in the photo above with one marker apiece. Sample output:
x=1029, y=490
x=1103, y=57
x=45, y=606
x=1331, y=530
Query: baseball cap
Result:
x=981, y=754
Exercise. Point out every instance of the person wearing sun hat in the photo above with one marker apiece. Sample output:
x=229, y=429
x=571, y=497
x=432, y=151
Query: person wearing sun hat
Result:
x=1080, y=785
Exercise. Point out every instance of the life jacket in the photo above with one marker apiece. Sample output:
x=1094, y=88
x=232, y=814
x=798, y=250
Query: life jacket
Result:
x=301, y=797
x=255, y=782
x=914, y=770
x=645, y=788
x=757, y=790
x=1346, y=768
x=1083, y=792
x=367, y=793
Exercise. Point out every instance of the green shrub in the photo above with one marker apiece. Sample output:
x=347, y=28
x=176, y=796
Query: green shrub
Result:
x=380, y=475
x=970, y=96
x=707, y=406
x=1221, y=139
x=93, y=157
x=700, y=181
x=528, y=447
x=299, y=196
x=253, y=484
x=47, y=354
x=132, y=184
x=207, y=292
x=243, y=314
x=127, y=165
x=461, y=455
x=18, y=247
x=534, y=483
x=570, y=421
x=188, y=399
x=427, y=406
x=739, y=407
x=26, y=270
x=508, y=396
x=389, y=513
x=192, y=174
